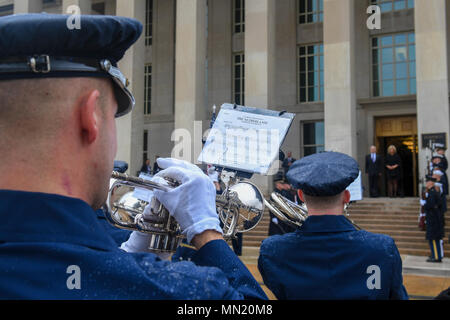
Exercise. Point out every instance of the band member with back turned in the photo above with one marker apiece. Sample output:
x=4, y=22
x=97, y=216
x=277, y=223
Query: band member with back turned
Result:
x=59, y=100
x=327, y=257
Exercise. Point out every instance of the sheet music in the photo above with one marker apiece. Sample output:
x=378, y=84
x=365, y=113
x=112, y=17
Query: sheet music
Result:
x=355, y=189
x=245, y=141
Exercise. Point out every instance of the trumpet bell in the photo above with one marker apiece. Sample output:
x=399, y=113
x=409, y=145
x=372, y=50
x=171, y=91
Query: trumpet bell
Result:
x=125, y=211
x=240, y=208
x=286, y=210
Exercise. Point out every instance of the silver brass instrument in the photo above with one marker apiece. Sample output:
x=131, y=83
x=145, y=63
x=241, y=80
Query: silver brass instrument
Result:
x=240, y=208
x=286, y=210
x=291, y=213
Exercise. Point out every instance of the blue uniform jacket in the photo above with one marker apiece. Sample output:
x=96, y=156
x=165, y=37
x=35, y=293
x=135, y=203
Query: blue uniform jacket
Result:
x=45, y=239
x=327, y=258
x=119, y=235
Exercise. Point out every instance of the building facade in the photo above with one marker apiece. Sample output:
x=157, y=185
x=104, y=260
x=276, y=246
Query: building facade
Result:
x=350, y=84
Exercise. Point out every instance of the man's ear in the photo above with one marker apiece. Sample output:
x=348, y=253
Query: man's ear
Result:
x=88, y=115
x=346, y=196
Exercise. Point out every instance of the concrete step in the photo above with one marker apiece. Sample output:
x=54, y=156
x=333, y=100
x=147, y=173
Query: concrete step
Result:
x=386, y=213
x=393, y=218
x=415, y=245
x=409, y=239
x=398, y=227
x=420, y=252
x=381, y=221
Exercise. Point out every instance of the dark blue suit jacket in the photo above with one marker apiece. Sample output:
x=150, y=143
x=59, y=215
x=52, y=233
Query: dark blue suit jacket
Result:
x=327, y=258
x=42, y=236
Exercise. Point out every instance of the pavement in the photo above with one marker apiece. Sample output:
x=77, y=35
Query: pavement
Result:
x=418, y=266
x=422, y=280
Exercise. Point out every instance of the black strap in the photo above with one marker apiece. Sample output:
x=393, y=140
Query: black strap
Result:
x=46, y=64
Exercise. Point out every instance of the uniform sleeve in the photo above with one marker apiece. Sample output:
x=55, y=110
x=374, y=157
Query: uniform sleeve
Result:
x=270, y=272
x=265, y=268
x=218, y=254
x=398, y=291
x=431, y=201
x=213, y=275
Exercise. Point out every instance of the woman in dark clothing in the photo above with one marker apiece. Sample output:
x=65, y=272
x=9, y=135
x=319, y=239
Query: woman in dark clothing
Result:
x=393, y=165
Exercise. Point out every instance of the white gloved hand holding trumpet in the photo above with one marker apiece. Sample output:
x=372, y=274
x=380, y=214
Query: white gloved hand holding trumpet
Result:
x=192, y=204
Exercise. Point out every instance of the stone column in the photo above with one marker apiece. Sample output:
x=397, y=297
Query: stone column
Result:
x=259, y=52
x=130, y=134
x=84, y=5
x=339, y=57
x=260, y=62
x=220, y=52
x=190, y=72
x=432, y=72
x=27, y=6
x=163, y=53
x=110, y=7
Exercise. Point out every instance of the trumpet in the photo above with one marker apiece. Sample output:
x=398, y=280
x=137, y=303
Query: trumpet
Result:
x=291, y=213
x=240, y=208
x=286, y=210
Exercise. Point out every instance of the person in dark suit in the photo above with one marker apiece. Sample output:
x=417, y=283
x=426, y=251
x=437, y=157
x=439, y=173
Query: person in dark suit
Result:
x=156, y=168
x=287, y=162
x=146, y=168
x=374, y=169
x=328, y=257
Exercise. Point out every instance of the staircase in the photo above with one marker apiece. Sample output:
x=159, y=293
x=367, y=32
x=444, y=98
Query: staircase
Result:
x=397, y=218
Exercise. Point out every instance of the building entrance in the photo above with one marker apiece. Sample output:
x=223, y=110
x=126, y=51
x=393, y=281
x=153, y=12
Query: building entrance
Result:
x=400, y=132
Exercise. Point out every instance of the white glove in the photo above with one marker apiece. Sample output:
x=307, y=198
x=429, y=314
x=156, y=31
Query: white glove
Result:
x=275, y=220
x=193, y=203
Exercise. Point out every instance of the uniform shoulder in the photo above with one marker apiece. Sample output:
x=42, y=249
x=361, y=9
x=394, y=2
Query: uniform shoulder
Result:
x=376, y=241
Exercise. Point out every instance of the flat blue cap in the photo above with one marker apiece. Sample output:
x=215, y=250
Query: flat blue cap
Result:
x=323, y=174
x=50, y=45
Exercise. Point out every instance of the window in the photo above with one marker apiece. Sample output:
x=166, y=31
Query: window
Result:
x=313, y=137
x=310, y=11
x=145, y=147
x=149, y=23
x=393, y=5
x=51, y=3
x=310, y=71
x=239, y=78
x=98, y=8
x=394, y=65
x=6, y=10
x=239, y=16
x=148, y=89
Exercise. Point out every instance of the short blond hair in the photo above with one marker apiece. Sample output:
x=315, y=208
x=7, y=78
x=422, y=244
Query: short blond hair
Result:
x=392, y=147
